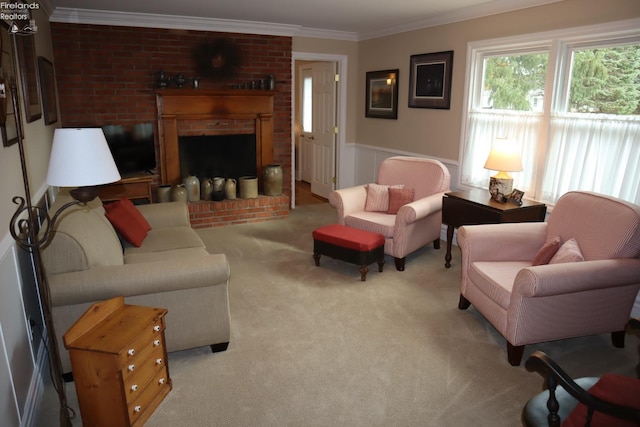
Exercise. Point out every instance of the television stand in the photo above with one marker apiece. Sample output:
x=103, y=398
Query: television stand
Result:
x=135, y=187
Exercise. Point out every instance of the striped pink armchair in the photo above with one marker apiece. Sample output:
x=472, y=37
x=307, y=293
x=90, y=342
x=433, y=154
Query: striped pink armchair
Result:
x=576, y=275
x=404, y=205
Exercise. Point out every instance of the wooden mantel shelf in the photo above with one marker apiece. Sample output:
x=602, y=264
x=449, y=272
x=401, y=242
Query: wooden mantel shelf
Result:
x=174, y=105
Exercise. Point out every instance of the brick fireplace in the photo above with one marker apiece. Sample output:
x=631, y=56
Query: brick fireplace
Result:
x=188, y=112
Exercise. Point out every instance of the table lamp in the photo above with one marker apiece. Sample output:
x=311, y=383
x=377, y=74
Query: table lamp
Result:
x=504, y=157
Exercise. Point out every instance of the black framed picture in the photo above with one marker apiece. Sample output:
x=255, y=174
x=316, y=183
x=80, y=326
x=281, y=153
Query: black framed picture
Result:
x=48, y=90
x=8, y=121
x=26, y=55
x=382, y=94
x=430, y=80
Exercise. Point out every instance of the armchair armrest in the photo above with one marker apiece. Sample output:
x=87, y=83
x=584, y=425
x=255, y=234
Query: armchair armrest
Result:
x=99, y=283
x=502, y=242
x=572, y=277
x=348, y=200
x=418, y=209
x=171, y=214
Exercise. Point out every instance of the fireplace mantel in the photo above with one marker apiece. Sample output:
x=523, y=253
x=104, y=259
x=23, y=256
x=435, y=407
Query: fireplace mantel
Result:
x=213, y=110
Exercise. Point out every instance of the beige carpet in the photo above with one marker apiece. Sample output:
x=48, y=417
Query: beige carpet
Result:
x=315, y=346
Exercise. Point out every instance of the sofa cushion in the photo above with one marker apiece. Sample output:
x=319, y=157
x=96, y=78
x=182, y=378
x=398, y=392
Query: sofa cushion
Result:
x=128, y=221
x=82, y=238
x=167, y=239
x=496, y=279
x=376, y=222
x=173, y=254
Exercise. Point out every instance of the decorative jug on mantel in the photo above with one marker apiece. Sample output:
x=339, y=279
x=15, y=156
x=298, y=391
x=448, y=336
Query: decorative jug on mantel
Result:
x=230, y=188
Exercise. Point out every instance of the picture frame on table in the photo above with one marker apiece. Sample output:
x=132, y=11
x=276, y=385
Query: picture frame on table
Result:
x=48, y=90
x=382, y=94
x=430, y=80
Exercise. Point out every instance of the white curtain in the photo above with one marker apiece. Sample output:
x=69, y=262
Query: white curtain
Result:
x=484, y=127
x=593, y=152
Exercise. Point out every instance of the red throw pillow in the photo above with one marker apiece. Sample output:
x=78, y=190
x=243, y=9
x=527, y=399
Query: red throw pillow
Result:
x=547, y=251
x=378, y=197
x=128, y=220
x=612, y=388
x=399, y=197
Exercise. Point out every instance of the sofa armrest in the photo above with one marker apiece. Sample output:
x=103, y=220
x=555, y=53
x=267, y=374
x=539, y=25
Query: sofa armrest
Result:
x=171, y=214
x=418, y=209
x=572, y=277
x=502, y=242
x=348, y=200
x=100, y=283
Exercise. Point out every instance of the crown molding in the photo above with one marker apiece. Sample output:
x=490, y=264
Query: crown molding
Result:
x=147, y=20
x=128, y=19
x=486, y=9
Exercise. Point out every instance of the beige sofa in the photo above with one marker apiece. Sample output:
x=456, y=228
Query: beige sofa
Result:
x=86, y=262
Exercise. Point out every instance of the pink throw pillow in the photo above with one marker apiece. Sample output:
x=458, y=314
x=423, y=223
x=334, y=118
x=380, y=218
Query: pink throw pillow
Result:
x=378, y=197
x=128, y=220
x=399, y=197
x=568, y=252
x=547, y=251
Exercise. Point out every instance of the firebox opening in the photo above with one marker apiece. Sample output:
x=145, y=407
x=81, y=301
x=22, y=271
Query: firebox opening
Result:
x=209, y=156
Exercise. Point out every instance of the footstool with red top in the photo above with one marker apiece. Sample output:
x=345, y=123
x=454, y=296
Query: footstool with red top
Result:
x=348, y=244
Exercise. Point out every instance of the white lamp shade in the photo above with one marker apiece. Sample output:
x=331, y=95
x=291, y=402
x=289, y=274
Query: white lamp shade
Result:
x=504, y=156
x=81, y=157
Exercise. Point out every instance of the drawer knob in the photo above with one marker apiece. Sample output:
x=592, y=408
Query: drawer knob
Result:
x=162, y=381
x=134, y=387
x=158, y=361
x=137, y=408
x=156, y=343
x=156, y=328
x=131, y=352
x=131, y=367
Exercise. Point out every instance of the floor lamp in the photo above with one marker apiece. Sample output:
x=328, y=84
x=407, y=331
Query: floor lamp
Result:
x=79, y=158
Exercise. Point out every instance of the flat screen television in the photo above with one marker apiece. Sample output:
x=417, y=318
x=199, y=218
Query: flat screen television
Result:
x=133, y=150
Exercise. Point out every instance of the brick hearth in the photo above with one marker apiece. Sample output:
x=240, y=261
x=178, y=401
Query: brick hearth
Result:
x=238, y=211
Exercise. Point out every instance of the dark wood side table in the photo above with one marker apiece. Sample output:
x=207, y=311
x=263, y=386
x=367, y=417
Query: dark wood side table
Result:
x=133, y=187
x=477, y=207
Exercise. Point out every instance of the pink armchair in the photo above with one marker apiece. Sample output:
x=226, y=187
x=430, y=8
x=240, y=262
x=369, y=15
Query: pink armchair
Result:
x=416, y=223
x=529, y=304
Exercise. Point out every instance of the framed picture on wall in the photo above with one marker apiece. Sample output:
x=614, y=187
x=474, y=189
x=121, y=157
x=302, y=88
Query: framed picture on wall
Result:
x=430, y=80
x=26, y=54
x=382, y=94
x=48, y=90
x=8, y=122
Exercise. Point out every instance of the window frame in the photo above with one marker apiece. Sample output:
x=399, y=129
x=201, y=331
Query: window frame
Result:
x=559, y=44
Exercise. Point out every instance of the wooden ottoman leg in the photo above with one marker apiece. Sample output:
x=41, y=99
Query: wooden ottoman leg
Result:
x=380, y=264
x=316, y=258
x=363, y=272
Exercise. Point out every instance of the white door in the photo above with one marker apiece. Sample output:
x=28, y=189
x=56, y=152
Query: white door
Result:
x=318, y=142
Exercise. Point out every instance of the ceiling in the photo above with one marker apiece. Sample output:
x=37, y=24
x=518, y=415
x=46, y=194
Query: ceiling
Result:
x=356, y=19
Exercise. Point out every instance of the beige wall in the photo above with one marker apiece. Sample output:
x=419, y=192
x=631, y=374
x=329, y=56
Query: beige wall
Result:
x=436, y=133
x=37, y=142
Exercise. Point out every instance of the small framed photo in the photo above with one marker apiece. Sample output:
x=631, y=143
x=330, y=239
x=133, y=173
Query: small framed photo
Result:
x=516, y=197
x=382, y=94
x=430, y=80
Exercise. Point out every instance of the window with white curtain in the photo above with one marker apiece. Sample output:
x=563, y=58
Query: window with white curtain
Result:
x=570, y=100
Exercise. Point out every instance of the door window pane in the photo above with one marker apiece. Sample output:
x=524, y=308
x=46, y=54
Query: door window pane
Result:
x=307, y=103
